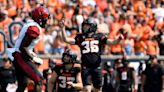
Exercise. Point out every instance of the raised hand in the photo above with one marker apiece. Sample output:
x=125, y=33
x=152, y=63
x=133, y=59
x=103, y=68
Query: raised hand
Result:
x=62, y=23
x=121, y=37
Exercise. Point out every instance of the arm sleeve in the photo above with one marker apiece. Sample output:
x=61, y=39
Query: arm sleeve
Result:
x=77, y=40
x=78, y=69
x=103, y=39
x=57, y=68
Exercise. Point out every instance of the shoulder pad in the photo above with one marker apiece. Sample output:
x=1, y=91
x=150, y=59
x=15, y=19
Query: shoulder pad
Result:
x=33, y=31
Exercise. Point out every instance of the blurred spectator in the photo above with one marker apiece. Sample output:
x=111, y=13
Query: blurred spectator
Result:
x=139, y=6
x=39, y=47
x=1, y=44
x=139, y=47
x=7, y=76
x=74, y=48
x=47, y=40
x=153, y=76
x=5, y=21
x=102, y=26
x=159, y=12
x=108, y=18
x=114, y=30
x=58, y=14
x=16, y=30
x=152, y=46
x=146, y=29
x=160, y=40
x=79, y=17
x=11, y=8
x=127, y=43
x=69, y=10
x=127, y=30
x=58, y=45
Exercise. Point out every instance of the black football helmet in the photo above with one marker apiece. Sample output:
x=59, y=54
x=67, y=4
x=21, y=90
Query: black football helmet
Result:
x=125, y=62
x=68, y=57
x=89, y=25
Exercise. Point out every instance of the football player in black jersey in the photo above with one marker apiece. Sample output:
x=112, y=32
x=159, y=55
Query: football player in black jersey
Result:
x=90, y=44
x=126, y=77
x=67, y=76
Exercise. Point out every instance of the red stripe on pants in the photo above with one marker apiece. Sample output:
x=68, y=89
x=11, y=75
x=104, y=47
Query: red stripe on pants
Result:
x=26, y=68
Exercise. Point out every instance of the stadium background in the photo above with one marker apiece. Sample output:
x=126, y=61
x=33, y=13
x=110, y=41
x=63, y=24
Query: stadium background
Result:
x=142, y=22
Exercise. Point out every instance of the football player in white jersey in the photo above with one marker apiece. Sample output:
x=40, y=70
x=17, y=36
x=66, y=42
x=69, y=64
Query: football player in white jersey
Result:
x=23, y=54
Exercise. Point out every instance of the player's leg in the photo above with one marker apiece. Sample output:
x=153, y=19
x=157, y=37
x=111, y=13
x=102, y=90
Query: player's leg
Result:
x=28, y=69
x=38, y=84
x=21, y=78
x=86, y=77
x=97, y=79
x=22, y=82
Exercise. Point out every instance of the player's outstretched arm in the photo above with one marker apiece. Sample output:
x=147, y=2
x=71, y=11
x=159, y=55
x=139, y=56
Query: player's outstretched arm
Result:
x=52, y=81
x=64, y=35
x=115, y=41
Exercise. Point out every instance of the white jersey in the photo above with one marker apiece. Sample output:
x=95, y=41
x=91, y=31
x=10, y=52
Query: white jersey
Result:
x=22, y=35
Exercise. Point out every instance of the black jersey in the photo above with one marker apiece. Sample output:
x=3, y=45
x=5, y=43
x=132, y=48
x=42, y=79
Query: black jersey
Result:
x=125, y=75
x=64, y=77
x=91, y=48
x=153, y=78
x=7, y=75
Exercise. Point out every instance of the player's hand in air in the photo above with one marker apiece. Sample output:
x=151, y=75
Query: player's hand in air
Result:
x=62, y=23
x=120, y=37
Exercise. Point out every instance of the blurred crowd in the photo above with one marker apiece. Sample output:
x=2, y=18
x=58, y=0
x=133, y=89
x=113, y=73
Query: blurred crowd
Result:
x=140, y=21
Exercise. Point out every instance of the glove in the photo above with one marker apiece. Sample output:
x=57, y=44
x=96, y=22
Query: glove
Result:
x=37, y=60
